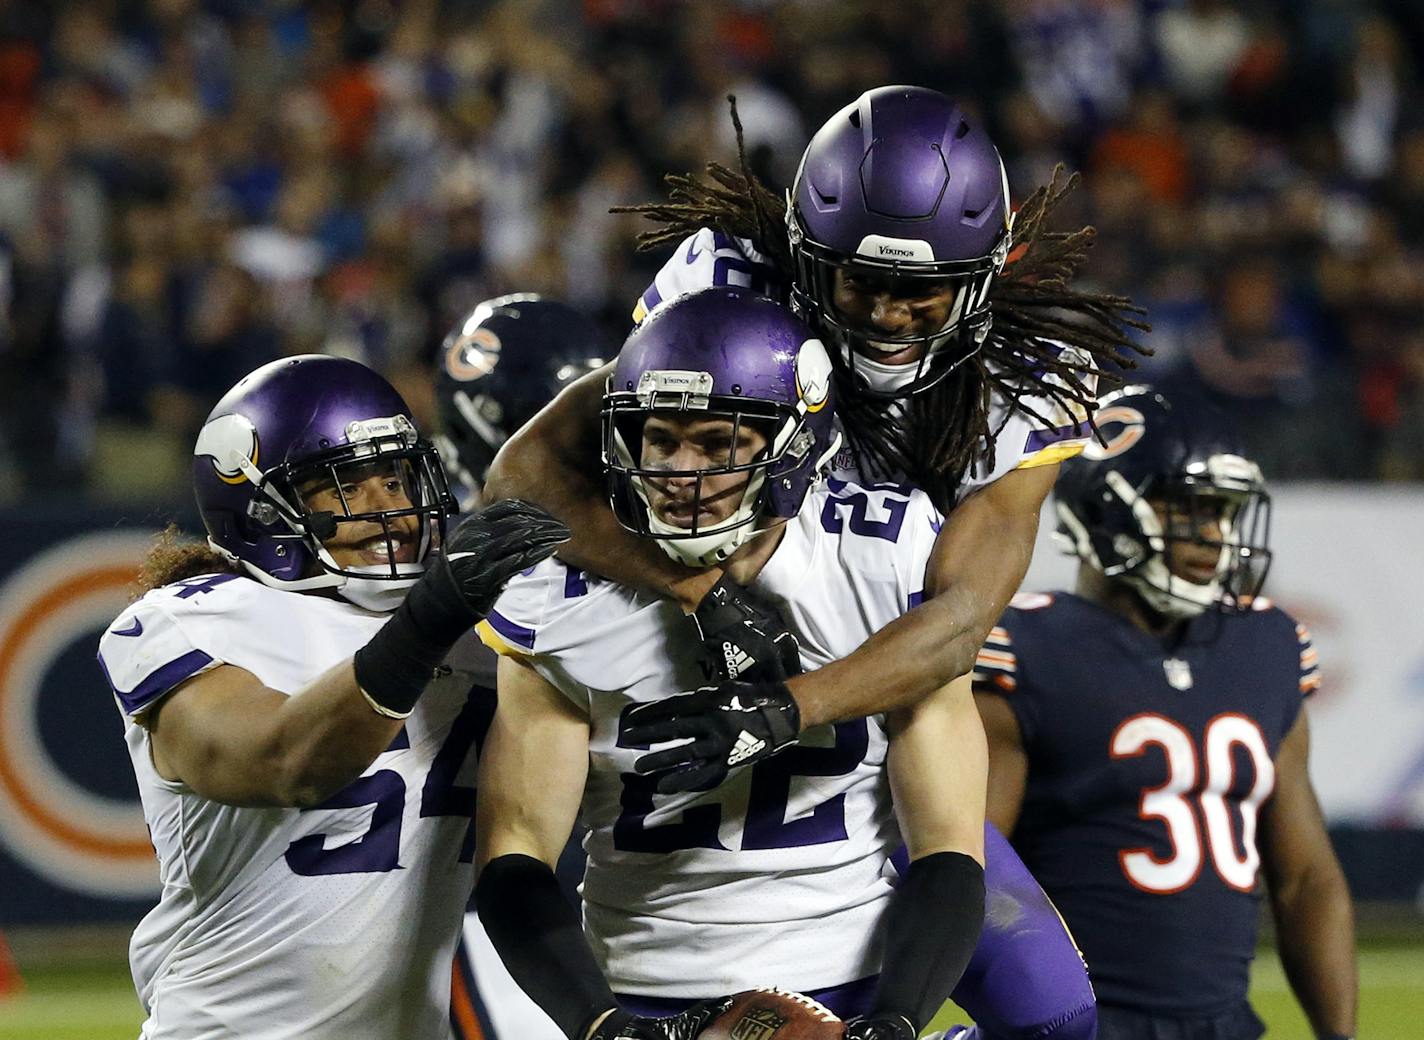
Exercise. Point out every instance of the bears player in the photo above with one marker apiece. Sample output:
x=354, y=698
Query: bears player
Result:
x=297, y=741
x=718, y=426
x=892, y=247
x=499, y=364
x=1148, y=744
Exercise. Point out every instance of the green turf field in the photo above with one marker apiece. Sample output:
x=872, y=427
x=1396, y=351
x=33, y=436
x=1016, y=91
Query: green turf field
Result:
x=96, y=1002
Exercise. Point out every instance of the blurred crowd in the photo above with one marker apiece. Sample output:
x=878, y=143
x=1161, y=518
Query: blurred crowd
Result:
x=189, y=188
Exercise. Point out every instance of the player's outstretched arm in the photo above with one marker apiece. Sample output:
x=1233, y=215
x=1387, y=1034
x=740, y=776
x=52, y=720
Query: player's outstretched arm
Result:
x=979, y=560
x=938, y=766
x=555, y=462
x=236, y=741
x=1315, y=920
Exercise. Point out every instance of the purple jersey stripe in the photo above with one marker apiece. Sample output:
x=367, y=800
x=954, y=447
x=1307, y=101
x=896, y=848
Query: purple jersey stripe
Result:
x=651, y=298
x=514, y=633
x=1040, y=439
x=161, y=681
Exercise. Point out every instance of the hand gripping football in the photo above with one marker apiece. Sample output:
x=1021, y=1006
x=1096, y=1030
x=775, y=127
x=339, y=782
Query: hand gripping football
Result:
x=774, y=1014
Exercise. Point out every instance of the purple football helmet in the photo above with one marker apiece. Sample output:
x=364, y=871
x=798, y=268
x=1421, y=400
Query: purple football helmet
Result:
x=301, y=424
x=720, y=353
x=900, y=188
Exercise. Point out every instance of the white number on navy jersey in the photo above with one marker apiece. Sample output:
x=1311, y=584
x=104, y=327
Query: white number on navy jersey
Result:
x=1172, y=803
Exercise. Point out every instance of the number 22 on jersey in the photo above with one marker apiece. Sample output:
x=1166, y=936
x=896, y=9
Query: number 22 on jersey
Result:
x=1193, y=801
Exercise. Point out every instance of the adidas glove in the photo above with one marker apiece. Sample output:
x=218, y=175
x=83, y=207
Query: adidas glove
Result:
x=731, y=724
x=624, y=1025
x=743, y=639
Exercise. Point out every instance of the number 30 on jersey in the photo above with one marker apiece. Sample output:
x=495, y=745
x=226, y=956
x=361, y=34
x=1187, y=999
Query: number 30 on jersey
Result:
x=1194, y=802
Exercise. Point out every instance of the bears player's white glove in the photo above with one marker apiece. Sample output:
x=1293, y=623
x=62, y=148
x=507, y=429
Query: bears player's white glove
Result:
x=731, y=724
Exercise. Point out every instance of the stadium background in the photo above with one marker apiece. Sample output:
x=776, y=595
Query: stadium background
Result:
x=189, y=188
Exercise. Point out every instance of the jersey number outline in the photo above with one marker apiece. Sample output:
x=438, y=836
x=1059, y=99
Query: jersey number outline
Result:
x=377, y=851
x=766, y=826
x=1172, y=801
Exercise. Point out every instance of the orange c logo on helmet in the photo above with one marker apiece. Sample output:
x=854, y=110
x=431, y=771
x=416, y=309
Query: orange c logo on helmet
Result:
x=471, y=356
x=1133, y=424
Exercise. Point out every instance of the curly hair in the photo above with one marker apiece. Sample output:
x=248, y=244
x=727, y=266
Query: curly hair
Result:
x=174, y=556
x=1035, y=308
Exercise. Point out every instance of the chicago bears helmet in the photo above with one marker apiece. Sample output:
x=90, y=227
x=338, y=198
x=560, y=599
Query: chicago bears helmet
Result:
x=900, y=184
x=1187, y=461
x=500, y=364
x=720, y=352
x=305, y=421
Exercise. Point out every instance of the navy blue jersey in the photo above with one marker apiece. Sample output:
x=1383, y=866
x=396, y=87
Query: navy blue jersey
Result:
x=1148, y=764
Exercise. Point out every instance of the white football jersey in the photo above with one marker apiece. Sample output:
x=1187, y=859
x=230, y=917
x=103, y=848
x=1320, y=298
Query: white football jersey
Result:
x=780, y=875
x=709, y=258
x=338, y=921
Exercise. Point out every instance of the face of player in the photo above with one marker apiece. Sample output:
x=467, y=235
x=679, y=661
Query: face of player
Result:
x=367, y=487
x=677, y=443
x=893, y=308
x=1194, y=527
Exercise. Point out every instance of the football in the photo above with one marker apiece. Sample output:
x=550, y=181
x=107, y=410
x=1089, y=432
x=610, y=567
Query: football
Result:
x=774, y=1014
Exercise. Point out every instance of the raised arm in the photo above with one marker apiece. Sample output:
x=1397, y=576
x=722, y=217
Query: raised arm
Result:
x=937, y=765
x=555, y=461
x=1315, y=921
x=979, y=560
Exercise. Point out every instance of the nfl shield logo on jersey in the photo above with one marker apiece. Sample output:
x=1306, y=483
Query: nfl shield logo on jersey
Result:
x=1179, y=673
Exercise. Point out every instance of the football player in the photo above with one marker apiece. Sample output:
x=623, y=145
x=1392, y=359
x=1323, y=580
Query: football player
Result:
x=297, y=741
x=499, y=365
x=717, y=427
x=1148, y=744
x=951, y=374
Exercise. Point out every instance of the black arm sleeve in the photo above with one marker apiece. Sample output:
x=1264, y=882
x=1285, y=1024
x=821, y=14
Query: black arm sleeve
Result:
x=933, y=927
x=538, y=935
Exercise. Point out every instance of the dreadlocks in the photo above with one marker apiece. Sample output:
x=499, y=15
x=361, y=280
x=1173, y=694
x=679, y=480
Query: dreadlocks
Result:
x=946, y=429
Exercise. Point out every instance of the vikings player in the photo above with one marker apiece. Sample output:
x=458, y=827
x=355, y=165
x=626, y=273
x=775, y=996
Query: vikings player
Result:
x=1150, y=773
x=892, y=247
x=298, y=742
x=717, y=428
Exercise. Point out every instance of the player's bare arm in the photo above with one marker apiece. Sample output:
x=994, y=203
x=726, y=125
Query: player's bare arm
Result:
x=233, y=740
x=532, y=769
x=1314, y=917
x=937, y=766
x=1008, y=762
x=979, y=560
x=553, y=462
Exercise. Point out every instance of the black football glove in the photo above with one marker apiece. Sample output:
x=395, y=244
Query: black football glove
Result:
x=488, y=548
x=880, y=1027
x=731, y=724
x=742, y=638
x=458, y=588
x=624, y=1025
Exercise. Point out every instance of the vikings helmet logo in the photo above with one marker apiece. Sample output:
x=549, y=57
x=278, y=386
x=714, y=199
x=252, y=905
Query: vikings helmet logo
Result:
x=813, y=375
x=229, y=442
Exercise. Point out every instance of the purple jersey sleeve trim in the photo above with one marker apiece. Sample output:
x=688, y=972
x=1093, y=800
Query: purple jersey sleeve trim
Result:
x=514, y=633
x=1040, y=439
x=160, y=681
x=651, y=297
